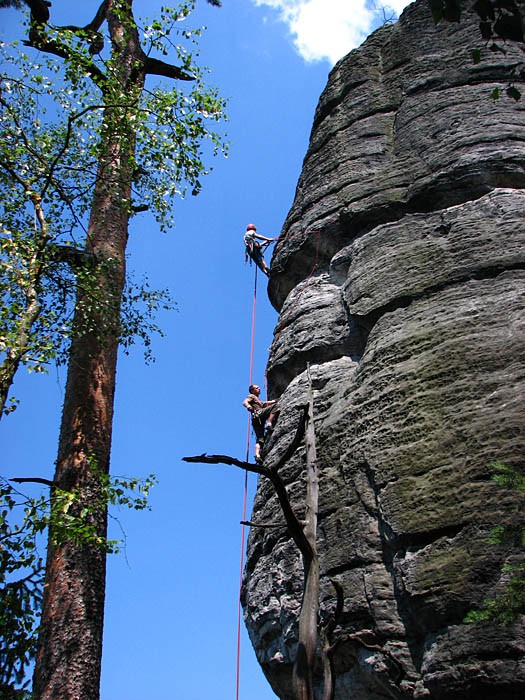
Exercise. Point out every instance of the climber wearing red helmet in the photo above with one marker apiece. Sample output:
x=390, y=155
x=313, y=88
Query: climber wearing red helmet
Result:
x=254, y=250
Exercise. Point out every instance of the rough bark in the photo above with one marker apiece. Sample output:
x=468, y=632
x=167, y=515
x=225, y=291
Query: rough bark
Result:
x=70, y=644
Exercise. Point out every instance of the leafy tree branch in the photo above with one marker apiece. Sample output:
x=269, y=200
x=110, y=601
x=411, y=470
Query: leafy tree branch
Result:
x=500, y=22
x=23, y=521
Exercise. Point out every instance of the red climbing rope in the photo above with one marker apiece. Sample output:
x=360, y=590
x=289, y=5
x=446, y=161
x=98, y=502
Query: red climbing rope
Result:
x=245, y=497
x=248, y=435
x=252, y=347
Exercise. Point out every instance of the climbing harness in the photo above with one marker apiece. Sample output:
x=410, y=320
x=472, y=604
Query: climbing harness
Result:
x=253, y=250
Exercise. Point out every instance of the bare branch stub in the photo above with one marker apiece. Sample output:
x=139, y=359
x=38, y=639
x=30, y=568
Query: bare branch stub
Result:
x=154, y=66
x=263, y=526
x=226, y=459
x=32, y=480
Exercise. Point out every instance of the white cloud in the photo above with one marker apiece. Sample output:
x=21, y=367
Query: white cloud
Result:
x=329, y=29
x=397, y=5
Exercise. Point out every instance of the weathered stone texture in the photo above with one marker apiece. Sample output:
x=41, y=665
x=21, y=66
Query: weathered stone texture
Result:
x=400, y=278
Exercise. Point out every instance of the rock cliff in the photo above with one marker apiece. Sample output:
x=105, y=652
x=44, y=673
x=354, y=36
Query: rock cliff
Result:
x=400, y=277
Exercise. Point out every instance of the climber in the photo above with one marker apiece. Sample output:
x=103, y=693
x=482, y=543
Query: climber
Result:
x=254, y=250
x=264, y=415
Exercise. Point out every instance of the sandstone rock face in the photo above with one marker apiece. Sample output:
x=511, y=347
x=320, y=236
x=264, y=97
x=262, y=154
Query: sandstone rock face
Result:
x=400, y=278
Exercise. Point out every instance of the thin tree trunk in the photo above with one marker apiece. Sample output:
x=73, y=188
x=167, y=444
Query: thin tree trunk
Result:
x=29, y=316
x=70, y=644
x=16, y=352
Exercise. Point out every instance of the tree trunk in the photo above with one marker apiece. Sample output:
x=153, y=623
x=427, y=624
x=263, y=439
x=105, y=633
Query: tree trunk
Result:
x=16, y=352
x=29, y=316
x=70, y=645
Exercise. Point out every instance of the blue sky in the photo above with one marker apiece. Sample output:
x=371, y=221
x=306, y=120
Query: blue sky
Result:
x=171, y=606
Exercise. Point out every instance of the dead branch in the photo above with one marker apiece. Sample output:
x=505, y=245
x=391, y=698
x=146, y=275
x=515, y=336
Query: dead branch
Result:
x=294, y=524
x=327, y=648
x=33, y=480
x=226, y=459
x=304, y=534
x=267, y=526
x=338, y=611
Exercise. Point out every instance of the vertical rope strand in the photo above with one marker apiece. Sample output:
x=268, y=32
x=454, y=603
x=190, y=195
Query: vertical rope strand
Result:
x=245, y=497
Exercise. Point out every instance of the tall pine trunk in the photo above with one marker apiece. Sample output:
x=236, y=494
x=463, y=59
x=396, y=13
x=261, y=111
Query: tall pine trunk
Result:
x=70, y=646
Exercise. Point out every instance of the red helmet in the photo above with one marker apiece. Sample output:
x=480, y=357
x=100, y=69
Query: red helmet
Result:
x=251, y=227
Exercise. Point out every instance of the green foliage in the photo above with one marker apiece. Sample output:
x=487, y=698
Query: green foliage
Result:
x=476, y=56
x=501, y=21
x=508, y=477
x=504, y=609
x=55, y=118
x=39, y=162
x=21, y=581
x=510, y=603
x=513, y=92
x=23, y=521
x=11, y=3
x=140, y=307
x=173, y=123
x=448, y=10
